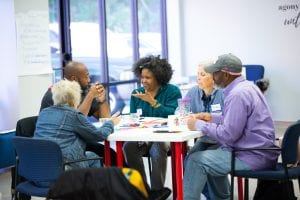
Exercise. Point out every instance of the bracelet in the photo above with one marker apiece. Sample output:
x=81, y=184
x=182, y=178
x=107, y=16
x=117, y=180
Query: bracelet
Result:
x=156, y=104
x=152, y=105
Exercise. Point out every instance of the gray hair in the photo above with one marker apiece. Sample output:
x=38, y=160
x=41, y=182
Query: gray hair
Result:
x=206, y=63
x=66, y=93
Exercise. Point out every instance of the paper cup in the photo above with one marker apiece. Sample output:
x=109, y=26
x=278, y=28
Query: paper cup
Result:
x=134, y=117
x=173, y=123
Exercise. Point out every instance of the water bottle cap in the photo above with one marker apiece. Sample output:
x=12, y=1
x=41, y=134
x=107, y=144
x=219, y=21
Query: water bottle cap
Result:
x=185, y=100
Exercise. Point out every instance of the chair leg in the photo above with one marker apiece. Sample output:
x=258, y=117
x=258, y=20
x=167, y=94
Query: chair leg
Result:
x=232, y=187
x=149, y=165
x=246, y=188
x=13, y=194
x=173, y=164
x=240, y=188
x=299, y=182
x=17, y=180
x=288, y=189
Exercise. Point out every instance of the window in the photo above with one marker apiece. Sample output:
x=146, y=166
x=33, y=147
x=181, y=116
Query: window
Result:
x=54, y=35
x=107, y=36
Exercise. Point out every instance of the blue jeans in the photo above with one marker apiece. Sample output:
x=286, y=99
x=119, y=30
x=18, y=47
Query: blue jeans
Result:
x=88, y=163
x=158, y=151
x=205, y=192
x=211, y=167
x=203, y=143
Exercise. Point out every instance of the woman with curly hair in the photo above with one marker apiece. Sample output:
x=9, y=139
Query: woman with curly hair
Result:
x=156, y=98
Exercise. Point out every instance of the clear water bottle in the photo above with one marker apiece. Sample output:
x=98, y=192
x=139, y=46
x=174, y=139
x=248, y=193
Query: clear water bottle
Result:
x=184, y=106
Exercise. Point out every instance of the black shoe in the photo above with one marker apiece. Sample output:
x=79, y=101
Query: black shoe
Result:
x=162, y=194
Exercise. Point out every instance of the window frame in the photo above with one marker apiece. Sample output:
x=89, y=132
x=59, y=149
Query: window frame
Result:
x=64, y=21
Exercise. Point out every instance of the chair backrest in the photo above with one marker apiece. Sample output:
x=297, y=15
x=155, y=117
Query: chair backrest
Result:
x=254, y=72
x=25, y=127
x=39, y=160
x=290, y=144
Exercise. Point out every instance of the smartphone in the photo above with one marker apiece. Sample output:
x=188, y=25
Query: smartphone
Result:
x=165, y=131
x=161, y=131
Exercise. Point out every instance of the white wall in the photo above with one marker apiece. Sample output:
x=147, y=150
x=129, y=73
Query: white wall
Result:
x=254, y=31
x=24, y=59
x=8, y=75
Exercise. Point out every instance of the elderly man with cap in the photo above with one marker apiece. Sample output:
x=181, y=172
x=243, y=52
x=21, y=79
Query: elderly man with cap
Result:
x=245, y=122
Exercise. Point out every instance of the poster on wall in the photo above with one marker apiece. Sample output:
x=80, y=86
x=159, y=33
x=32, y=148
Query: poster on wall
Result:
x=33, y=41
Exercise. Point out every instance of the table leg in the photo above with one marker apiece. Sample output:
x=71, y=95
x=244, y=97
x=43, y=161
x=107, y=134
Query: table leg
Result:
x=240, y=188
x=173, y=167
x=119, y=153
x=107, y=153
x=184, y=150
x=178, y=166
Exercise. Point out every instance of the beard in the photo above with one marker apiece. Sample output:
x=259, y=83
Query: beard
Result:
x=219, y=85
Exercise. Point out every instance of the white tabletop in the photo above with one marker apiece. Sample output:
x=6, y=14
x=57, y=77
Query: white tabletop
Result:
x=147, y=134
x=142, y=133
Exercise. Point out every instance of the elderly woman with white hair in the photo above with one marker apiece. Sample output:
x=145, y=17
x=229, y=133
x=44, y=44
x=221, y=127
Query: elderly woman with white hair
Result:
x=67, y=126
x=205, y=98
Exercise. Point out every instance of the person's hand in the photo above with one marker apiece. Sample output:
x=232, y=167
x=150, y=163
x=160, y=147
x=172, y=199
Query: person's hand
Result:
x=101, y=92
x=97, y=90
x=93, y=90
x=203, y=116
x=191, y=122
x=195, y=124
x=145, y=97
x=116, y=118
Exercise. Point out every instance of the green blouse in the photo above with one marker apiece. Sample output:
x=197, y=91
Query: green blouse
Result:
x=166, y=96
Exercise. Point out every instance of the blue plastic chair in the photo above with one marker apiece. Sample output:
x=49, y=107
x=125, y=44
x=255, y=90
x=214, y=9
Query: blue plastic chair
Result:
x=40, y=162
x=289, y=154
x=254, y=72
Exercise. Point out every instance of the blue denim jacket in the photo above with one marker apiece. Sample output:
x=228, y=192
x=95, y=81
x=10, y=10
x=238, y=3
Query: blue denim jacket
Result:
x=71, y=130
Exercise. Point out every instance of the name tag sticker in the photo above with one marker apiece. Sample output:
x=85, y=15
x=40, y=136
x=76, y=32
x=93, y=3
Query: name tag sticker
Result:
x=215, y=107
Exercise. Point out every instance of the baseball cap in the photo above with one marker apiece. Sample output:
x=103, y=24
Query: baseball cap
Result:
x=228, y=63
